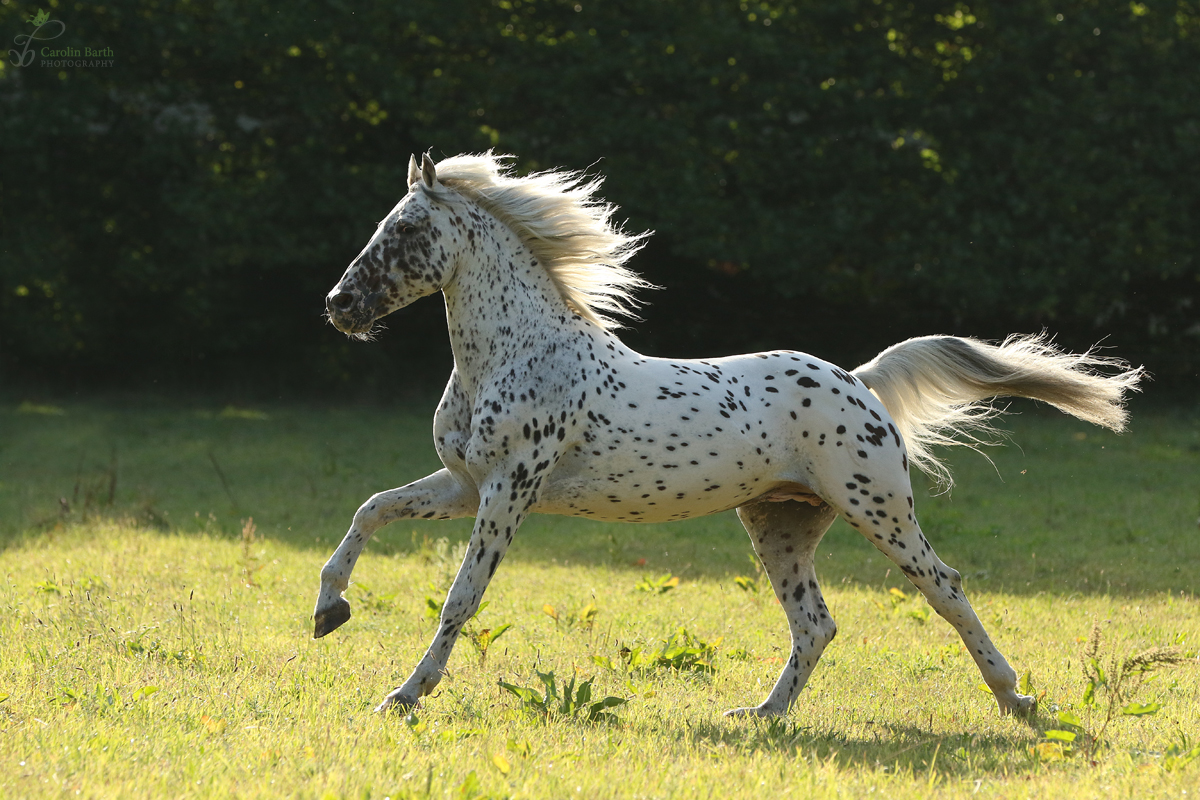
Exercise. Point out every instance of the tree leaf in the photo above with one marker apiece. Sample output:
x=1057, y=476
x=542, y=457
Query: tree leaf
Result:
x=1141, y=709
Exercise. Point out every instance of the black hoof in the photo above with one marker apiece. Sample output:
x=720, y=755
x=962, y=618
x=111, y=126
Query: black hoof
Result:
x=331, y=618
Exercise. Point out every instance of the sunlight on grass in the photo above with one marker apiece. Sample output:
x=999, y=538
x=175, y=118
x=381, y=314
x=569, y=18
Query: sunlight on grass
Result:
x=157, y=640
x=138, y=662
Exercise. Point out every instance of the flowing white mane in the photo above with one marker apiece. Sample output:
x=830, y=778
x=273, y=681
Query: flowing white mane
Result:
x=570, y=231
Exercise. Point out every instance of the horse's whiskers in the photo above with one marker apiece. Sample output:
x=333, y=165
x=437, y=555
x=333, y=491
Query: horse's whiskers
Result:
x=369, y=335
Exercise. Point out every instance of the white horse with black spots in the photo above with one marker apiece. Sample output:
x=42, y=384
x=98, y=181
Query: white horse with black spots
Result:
x=547, y=411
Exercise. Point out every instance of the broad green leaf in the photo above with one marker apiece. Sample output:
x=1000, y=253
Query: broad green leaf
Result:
x=596, y=710
x=1026, y=684
x=525, y=695
x=610, y=702
x=144, y=692
x=547, y=679
x=1141, y=709
x=1177, y=757
x=1062, y=736
x=1069, y=718
x=470, y=788
x=567, y=707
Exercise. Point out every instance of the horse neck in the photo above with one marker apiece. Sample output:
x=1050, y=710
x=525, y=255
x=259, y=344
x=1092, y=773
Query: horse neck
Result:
x=499, y=300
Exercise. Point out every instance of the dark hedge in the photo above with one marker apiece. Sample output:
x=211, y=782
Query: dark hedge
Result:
x=828, y=175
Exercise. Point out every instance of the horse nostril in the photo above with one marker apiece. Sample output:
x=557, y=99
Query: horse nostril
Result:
x=342, y=301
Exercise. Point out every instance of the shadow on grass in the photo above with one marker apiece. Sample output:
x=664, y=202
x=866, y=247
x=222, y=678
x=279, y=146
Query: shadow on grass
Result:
x=868, y=745
x=1074, y=511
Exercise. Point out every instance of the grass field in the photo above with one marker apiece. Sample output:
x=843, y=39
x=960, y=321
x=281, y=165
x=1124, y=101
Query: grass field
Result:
x=157, y=644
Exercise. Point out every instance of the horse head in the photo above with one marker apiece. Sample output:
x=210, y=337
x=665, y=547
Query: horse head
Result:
x=403, y=261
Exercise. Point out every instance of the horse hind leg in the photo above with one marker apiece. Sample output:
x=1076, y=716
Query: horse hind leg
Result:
x=886, y=518
x=785, y=537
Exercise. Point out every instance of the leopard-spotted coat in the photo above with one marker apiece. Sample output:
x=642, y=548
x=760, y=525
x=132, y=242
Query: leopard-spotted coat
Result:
x=547, y=411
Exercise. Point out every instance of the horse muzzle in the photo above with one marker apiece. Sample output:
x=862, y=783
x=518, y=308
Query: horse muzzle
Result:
x=351, y=312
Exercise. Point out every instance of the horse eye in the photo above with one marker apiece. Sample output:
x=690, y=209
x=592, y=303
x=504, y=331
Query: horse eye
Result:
x=406, y=229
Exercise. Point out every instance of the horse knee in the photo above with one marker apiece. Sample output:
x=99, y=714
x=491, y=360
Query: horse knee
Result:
x=948, y=576
x=367, y=511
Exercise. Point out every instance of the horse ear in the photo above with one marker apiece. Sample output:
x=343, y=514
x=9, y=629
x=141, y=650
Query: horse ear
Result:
x=414, y=172
x=428, y=171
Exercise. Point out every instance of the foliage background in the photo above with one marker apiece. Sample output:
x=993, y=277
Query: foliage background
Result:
x=826, y=176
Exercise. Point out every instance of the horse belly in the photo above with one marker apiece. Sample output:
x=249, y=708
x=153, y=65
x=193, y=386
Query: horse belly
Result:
x=675, y=440
x=659, y=493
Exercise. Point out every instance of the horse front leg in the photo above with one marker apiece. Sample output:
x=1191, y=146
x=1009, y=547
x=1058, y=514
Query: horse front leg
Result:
x=501, y=512
x=437, y=496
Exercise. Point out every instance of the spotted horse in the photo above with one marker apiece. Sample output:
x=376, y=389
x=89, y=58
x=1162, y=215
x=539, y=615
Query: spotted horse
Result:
x=547, y=411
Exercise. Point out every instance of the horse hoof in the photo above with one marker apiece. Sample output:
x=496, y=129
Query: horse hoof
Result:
x=398, y=703
x=331, y=617
x=758, y=711
x=1023, y=706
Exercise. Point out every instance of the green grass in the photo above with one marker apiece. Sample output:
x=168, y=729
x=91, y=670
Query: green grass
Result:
x=148, y=649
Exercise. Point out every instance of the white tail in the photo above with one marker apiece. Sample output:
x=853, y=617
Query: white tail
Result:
x=936, y=388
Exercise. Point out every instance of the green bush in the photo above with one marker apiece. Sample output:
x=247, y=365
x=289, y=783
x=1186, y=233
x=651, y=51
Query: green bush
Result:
x=904, y=167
